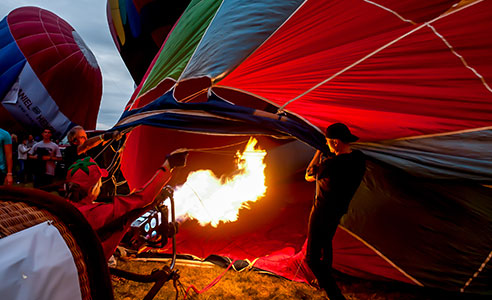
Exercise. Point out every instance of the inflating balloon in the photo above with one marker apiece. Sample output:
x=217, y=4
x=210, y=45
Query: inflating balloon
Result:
x=412, y=79
x=48, y=76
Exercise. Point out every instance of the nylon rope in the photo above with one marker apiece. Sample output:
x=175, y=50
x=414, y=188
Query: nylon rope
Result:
x=125, y=131
x=116, y=160
x=190, y=97
x=211, y=284
x=248, y=267
x=213, y=149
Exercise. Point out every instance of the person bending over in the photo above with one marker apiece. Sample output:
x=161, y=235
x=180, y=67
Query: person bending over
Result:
x=83, y=185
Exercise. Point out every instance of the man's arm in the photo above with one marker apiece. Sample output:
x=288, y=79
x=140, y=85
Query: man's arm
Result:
x=56, y=154
x=310, y=170
x=9, y=179
x=89, y=144
x=23, y=149
x=32, y=153
x=98, y=139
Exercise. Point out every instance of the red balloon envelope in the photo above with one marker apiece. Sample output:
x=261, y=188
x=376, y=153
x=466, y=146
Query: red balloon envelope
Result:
x=49, y=77
x=409, y=78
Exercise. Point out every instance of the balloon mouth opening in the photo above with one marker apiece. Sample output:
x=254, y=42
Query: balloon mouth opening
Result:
x=85, y=50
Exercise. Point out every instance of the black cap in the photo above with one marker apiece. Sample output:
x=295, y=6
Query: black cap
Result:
x=340, y=131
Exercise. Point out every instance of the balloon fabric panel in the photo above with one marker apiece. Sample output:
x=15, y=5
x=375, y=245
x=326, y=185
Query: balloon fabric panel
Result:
x=117, y=22
x=238, y=28
x=133, y=19
x=123, y=5
x=180, y=45
x=11, y=67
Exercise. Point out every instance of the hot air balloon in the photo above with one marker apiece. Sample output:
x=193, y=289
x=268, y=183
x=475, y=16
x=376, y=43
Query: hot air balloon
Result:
x=410, y=78
x=48, y=76
x=139, y=27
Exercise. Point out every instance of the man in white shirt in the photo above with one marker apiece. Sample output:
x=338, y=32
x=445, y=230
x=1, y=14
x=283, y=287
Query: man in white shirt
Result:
x=47, y=154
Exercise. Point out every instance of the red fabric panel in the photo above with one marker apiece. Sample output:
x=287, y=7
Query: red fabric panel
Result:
x=147, y=147
x=48, y=45
x=353, y=257
x=416, y=86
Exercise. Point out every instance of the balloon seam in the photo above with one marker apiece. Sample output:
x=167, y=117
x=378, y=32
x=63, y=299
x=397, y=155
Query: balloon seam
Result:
x=391, y=11
x=382, y=256
x=463, y=61
x=475, y=275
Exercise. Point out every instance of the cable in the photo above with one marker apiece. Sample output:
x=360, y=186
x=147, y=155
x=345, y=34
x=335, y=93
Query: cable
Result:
x=211, y=284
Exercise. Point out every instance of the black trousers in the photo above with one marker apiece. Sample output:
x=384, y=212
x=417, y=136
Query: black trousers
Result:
x=41, y=180
x=319, y=251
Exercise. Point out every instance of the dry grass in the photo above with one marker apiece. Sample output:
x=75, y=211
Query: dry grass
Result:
x=232, y=285
x=253, y=285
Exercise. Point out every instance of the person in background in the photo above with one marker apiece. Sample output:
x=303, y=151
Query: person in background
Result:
x=22, y=151
x=29, y=164
x=80, y=144
x=15, y=163
x=47, y=154
x=337, y=179
x=83, y=186
x=6, y=164
x=30, y=141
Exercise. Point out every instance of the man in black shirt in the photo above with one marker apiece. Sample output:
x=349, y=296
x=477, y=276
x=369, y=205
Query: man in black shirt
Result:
x=337, y=179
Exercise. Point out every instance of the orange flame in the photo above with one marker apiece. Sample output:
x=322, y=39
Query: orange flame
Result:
x=210, y=200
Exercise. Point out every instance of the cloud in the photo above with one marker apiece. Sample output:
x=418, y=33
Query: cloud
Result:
x=88, y=18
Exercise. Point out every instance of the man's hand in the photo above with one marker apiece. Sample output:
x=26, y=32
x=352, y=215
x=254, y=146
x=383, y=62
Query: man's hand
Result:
x=310, y=173
x=177, y=158
x=9, y=179
x=117, y=135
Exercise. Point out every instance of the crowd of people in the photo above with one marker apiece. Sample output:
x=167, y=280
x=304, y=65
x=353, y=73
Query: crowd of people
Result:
x=39, y=160
x=26, y=158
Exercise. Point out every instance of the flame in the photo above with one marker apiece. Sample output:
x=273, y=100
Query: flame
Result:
x=210, y=200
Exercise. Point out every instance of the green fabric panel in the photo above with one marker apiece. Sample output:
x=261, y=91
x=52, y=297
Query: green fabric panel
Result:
x=182, y=42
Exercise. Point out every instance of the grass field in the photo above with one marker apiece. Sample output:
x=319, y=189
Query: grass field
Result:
x=253, y=285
